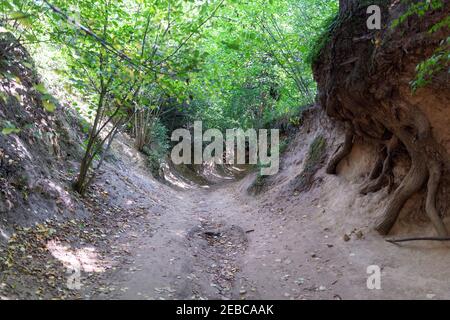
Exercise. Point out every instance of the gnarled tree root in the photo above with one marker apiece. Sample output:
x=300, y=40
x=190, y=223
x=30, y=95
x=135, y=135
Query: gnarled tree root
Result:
x=419, y=173
x=378, y=167
x=412, y=183
x=430, y=203
x=385, y=177
x=343, y=150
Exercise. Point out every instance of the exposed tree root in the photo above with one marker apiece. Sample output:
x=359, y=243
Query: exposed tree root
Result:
x=343, y=150
x=420, y=171
x=385, y=176
x=418, y=239
x=419, y=143
x=412, y=183
x=376, y=171
x=430, y=204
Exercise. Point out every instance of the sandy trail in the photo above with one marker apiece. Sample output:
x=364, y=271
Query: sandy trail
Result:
x=193, y=252
x=218, y=244
x=214, y=244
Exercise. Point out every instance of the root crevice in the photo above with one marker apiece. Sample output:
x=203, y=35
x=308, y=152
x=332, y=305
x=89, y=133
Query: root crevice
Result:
x=385, y=176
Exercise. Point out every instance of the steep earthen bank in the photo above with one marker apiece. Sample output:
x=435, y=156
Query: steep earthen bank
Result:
x=364, y=82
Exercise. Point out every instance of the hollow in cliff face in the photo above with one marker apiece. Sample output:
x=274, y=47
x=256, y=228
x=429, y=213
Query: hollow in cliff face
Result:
x=364, y=82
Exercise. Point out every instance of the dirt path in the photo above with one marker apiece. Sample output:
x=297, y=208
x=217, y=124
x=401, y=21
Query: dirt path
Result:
x=214, y=243
x=219, y=244
x=194, y=251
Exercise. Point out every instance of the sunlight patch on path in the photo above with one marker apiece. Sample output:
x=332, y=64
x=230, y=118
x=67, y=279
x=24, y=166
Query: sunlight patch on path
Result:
x=84, y=258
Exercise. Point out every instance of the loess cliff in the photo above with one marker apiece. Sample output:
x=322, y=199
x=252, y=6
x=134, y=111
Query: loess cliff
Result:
x=364, y=78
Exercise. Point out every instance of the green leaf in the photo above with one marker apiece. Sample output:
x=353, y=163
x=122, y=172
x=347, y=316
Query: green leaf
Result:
x=3, y=95
x=41, y=88
x=22, y=18
x=27, y=65
x=49, y=106
x=9, y=128
x=17, y=15
x=7, y=131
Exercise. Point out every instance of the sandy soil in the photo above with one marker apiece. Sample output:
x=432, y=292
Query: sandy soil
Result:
x=215, y=244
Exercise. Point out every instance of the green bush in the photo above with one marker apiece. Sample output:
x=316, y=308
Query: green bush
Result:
x=319, y=42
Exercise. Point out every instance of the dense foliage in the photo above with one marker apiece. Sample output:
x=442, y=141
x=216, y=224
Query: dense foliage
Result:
x=147, y=64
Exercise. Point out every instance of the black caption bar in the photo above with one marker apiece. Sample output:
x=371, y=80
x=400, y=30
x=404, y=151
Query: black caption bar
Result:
x=211, y=309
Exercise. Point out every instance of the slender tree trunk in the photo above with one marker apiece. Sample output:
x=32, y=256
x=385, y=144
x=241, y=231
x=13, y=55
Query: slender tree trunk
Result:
x=80, y=182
